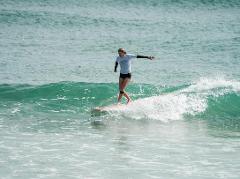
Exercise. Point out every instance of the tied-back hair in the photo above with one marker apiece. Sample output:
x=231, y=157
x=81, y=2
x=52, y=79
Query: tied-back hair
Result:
x=122, y=50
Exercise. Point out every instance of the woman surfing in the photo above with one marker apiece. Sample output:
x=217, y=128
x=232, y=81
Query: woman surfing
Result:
x=124, y=60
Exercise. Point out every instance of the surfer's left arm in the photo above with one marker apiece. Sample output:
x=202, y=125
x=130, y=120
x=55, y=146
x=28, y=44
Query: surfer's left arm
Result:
x=142, y=56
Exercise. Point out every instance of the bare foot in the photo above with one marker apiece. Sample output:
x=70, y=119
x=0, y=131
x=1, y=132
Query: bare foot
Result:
x=128, y=101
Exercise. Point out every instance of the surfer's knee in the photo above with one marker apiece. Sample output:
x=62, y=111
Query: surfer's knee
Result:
x=121, y=92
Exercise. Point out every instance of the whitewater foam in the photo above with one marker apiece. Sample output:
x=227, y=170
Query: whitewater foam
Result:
x=163, y=107
x=206, y=84
x=174, y=106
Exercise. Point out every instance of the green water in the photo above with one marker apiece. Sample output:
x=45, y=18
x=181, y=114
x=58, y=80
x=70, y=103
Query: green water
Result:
x=56, y=66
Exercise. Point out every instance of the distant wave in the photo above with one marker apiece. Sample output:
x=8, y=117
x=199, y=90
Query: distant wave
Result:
x=54, y=18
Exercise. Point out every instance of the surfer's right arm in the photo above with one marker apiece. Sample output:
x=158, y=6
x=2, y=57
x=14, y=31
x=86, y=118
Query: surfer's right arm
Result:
x=116, y=65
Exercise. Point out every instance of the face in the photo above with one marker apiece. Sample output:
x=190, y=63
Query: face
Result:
x=121, y=54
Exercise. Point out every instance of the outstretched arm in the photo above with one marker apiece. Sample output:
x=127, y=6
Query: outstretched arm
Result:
x=116, y=65
x=148, y=57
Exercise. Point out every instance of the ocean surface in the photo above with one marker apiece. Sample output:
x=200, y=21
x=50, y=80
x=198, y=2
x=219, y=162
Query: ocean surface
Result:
x=56, y=66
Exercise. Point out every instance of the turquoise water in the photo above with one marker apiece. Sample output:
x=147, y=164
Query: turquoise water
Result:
x=56, y=65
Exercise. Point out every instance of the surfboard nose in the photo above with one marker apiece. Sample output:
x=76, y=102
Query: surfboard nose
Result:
x=98, y=111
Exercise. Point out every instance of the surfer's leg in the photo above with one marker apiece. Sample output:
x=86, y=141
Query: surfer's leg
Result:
x=120, y=89
x=124, y=84
x=128, y=98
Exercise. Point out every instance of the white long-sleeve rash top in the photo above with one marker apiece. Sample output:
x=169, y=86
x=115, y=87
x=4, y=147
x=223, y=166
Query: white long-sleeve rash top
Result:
x=125, y=63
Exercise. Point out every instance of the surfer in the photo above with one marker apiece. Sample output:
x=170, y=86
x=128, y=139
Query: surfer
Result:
x=124, y=60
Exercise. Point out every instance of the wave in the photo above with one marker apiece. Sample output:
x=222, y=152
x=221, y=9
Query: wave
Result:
x=63, y=97
x=205, y=99
x=179, y=3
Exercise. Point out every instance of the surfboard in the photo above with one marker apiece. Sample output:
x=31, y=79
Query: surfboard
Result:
x=106, y=109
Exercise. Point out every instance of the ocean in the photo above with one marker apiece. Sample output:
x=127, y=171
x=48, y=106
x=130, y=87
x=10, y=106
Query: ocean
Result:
x=56, y=65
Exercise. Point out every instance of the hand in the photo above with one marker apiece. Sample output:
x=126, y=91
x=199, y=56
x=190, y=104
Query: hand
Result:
x=151, y=58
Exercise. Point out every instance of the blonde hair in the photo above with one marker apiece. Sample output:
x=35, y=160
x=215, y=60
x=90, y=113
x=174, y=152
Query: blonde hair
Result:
x=122, y=50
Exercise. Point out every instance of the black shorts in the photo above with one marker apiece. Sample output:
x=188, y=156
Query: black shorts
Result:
x=123, y=76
